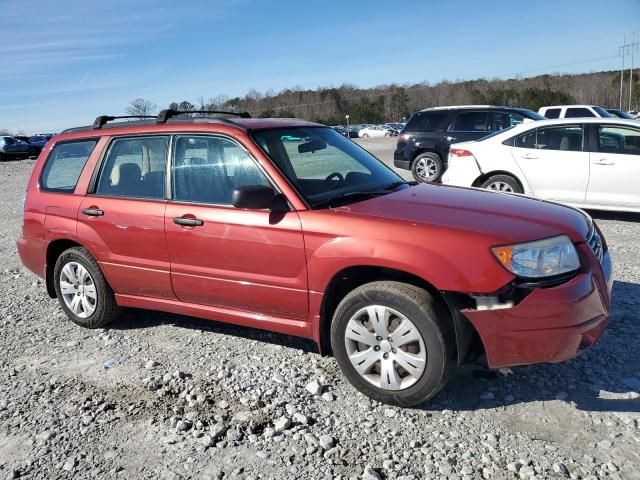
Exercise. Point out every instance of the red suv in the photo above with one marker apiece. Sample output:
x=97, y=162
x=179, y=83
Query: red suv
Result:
x=288, y=226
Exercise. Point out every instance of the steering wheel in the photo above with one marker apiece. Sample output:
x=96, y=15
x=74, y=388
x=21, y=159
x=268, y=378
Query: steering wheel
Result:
x=333, y=175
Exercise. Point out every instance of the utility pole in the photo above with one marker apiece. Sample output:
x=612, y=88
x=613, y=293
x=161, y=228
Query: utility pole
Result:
x=631, y=49
x=634, y=44
x=621, y=51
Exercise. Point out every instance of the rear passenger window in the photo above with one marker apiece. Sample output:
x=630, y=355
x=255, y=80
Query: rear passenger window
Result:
x=470, y=122
x=502, y=120
x=578, y=113
x=64, y=166
x=564, y=138
x=526, y=140
x=207, y=169
x=552, y=113
x=134, y=167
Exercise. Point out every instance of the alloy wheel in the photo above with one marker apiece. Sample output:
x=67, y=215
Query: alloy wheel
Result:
x=78, y=290
x=500, y=187
x=385, y=347
x=426, y=169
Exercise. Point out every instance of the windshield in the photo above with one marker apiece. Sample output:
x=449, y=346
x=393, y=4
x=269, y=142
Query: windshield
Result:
x=602, y=112
x=326, y=168
x=620, y=114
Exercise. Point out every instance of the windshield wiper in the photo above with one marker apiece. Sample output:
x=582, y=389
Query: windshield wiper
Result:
x=360, y=193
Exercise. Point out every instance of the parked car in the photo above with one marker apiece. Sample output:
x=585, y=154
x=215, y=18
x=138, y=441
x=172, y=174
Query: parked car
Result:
x=614, y=112
x=341, y=130
x=590, y=163
x=423, y=144
x=393, y=131
x=373, y=131
x=11, y=148
x=38, y=142
x=221, y=218
x=574, y=111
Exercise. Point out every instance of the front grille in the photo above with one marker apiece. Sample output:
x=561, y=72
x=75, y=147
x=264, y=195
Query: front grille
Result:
x=595, y=243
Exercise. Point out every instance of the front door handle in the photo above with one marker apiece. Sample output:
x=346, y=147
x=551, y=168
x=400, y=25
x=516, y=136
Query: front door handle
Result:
x=188, y=222
x=93, y=212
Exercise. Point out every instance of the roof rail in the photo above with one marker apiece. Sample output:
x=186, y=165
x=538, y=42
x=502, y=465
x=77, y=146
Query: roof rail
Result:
x=102, y=120
x=165, y=115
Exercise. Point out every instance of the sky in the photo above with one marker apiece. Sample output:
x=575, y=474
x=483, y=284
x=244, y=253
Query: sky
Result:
x=63, y=62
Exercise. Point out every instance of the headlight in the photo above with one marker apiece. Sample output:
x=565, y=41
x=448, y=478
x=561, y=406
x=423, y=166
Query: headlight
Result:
x=542, y=258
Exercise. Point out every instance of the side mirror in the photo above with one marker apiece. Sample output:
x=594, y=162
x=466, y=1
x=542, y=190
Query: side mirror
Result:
x=257, y=197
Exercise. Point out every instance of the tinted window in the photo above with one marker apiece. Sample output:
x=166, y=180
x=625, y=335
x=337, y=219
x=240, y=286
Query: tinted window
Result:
x=425, y=122
x=552, y=113
x=602, y=112
x=575, y=112
x=470, y=122
x=208, y=169
x=64, y=165
x=622, y=140
x=503, y=120
x=564, y=137
x=134, y=167
x=526, y=140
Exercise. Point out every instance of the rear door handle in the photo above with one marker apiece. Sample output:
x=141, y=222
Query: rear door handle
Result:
x=188, y=222
x=604, y=161
x=530, y=155
x=93, y=212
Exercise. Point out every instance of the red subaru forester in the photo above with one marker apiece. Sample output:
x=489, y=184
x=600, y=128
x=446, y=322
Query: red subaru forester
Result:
x=288, y=226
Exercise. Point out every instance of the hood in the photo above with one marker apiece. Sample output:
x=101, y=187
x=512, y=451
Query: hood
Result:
x=505, y=217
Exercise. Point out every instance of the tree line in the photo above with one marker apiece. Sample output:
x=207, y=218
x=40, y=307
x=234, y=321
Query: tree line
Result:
x=394, y=102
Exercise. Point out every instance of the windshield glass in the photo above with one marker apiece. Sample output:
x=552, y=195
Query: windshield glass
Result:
x=325, y=167
x=602, y=112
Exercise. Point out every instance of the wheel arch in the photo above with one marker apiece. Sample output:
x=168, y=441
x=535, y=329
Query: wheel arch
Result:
x=352, y=277
x=54, y=250
x=485, y=176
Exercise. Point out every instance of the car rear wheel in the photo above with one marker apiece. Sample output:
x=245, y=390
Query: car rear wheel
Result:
x=502, y=183
x=427, y=167
x=365, y=135
x=393, y=342
x=83, y=292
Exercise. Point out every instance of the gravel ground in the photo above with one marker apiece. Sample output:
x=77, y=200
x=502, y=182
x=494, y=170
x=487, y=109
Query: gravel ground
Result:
x=166, y=396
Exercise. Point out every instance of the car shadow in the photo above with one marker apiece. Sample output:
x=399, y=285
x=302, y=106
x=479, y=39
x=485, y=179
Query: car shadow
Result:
x=134, y=319
x=594, y=381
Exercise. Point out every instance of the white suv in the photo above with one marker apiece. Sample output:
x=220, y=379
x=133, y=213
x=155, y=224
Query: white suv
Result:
x=574, y=111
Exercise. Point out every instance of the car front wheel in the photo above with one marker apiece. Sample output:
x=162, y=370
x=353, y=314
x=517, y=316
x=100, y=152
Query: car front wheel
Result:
x=83, y=292
x=393, y=342
x=427, y=167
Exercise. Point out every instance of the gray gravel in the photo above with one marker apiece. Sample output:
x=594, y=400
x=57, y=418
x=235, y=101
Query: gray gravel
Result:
x=165, y=396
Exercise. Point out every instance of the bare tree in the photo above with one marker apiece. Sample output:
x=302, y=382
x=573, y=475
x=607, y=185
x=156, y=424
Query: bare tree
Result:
x=141, y=107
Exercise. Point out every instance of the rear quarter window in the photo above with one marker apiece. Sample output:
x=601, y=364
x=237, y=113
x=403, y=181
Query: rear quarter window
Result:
x=64, y=165
x=425, y=122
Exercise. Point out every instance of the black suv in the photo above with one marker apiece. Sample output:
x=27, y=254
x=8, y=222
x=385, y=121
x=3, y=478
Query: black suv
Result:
x=423, y=144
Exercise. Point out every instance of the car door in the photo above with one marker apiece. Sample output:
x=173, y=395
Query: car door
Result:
x=122, y=217
x=468, y=125
x=554, y=161
x=221, y=256
x=615, y=166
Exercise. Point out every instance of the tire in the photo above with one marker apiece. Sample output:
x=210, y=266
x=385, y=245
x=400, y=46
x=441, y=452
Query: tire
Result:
x=431, y=331
x=502, y=183
x=427, y=167
x=365, y=135
x=88, y=311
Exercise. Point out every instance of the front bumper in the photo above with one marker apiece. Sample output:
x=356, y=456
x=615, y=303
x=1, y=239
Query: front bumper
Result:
x=551, y=324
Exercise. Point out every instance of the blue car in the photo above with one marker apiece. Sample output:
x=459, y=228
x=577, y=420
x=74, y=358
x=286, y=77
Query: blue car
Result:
x=12, y=148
